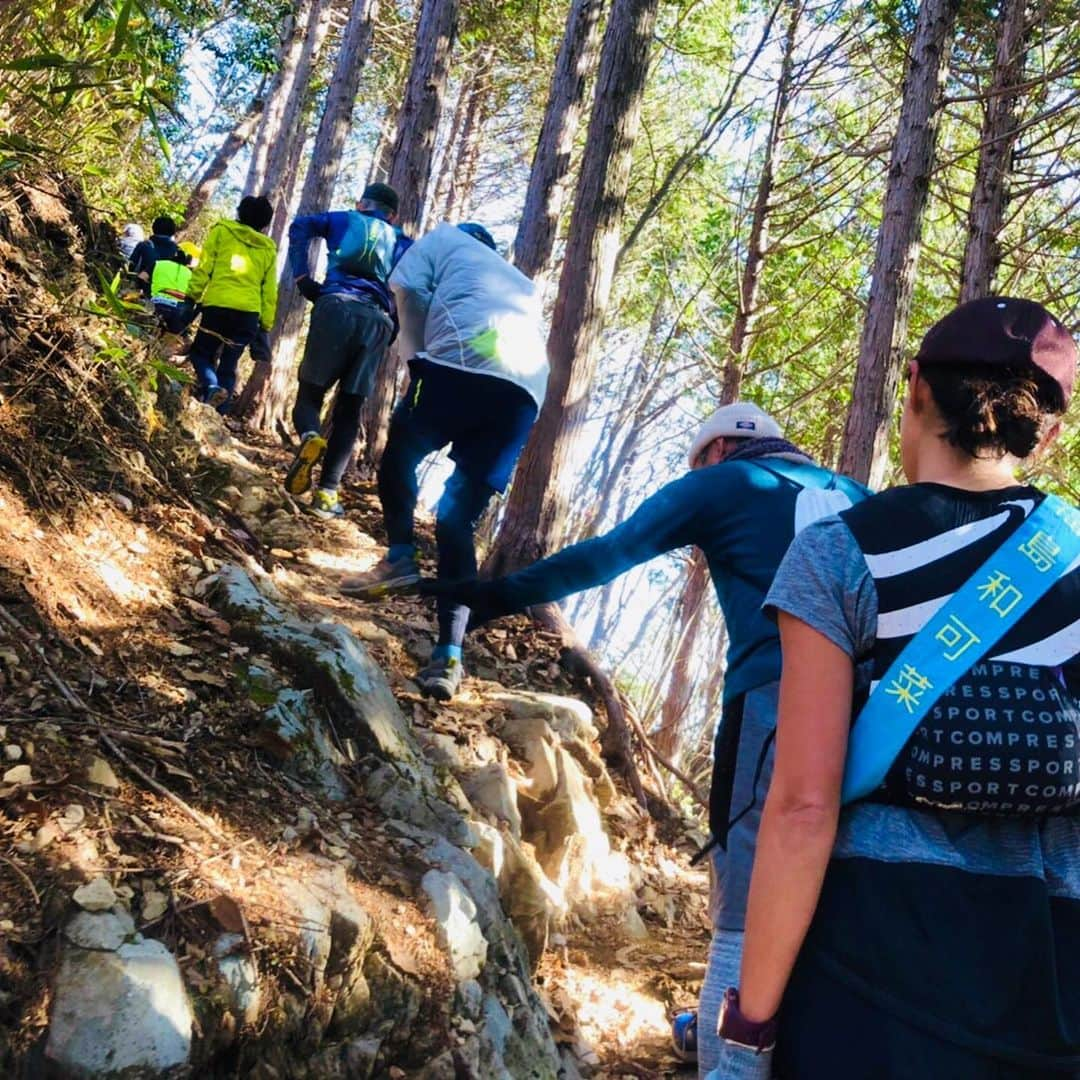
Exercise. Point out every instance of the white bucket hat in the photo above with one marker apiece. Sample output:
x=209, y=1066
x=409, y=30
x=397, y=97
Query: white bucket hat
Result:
x=740, y=420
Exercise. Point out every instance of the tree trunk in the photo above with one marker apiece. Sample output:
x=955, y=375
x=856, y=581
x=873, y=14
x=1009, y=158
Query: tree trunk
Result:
x=380, y=159
x=536, y=509
x=691, y=606
x=285, y=194
x=544, y=198
x=989, y=196
x=266, y=404
x=467, y=156
x=414, y=144
x=680, y=685
x=414, y=141
x=280, y=118
x=750, y=285
x=437, y=203
x=234, y=142
x=865, y=451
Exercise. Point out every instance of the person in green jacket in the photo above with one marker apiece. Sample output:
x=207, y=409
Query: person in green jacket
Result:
x=236, y=284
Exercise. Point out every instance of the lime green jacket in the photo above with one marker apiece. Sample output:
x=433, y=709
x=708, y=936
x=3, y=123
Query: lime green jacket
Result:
x=237, y=270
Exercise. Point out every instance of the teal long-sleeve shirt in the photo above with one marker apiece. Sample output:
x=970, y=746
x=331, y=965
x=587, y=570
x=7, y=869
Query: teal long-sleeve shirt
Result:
x=742, y=514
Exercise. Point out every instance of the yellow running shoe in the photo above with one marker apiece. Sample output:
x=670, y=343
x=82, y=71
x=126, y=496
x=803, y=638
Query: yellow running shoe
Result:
x=298, y=478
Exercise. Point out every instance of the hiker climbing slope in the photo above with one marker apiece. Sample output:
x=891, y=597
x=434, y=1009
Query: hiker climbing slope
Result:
x=352, y=324
x=748, y=493
x=915, y=905
x=160, y=245
x=470, y=322
x=236, y=284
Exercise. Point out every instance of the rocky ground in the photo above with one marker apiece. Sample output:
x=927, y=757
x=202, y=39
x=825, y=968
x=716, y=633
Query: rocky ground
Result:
x=237, y=842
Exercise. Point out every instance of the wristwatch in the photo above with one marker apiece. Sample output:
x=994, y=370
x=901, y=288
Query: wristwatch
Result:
x=733, y=1027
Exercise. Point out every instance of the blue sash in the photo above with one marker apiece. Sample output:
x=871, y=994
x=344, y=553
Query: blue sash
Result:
x=963, y=631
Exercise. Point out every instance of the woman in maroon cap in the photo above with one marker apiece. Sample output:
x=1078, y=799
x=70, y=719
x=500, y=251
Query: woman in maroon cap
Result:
x=931, y=928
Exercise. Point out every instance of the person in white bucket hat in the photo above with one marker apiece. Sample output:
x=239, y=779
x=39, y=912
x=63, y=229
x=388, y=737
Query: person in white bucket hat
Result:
x=747, y=494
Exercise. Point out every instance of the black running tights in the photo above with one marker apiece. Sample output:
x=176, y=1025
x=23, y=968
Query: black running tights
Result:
x=344, y=428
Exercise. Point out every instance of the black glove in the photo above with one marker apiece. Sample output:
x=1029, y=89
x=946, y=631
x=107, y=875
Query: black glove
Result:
x=481, y=597
x=308, y=288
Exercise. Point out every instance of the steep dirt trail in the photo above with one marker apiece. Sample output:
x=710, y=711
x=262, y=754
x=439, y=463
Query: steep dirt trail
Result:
x=612, y=983
x=140, y=755
x=104, y=607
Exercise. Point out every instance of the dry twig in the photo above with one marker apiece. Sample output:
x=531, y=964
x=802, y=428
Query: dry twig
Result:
x=23, y=877
x=38, y=652
x=199, y=818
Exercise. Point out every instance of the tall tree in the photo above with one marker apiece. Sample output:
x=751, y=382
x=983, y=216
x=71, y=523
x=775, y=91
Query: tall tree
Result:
x=536, y=507
x=986, y=213
x=536, y=510
x=466, y=152
x=687, y=626
x=757, y=244
x=421, y=110
x=865, y=450
x=692, y=603
x=539, y=223
x=266, y=394
x=280, y=118
x=235, y=140
x=410, y=174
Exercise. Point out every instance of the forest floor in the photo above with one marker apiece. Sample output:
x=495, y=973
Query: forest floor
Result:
x=103, y=610
x=130, y=731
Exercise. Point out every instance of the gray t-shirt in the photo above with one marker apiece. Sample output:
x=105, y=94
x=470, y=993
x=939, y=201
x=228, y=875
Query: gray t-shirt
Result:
x=824, y=582
x=962, y=924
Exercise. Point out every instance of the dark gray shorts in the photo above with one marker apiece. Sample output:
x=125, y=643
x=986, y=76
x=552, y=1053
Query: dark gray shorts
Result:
x=731, y=868
x=346, y=340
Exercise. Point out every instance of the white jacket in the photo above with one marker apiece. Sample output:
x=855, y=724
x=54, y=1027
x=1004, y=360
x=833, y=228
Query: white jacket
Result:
x=462, y=305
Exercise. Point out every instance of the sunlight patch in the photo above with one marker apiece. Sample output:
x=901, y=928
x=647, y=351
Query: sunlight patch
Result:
x=119, y=584
x=608, y=1009
x=348, y=564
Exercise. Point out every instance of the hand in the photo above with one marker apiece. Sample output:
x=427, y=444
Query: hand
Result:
x=479, y=596
x=308, y=288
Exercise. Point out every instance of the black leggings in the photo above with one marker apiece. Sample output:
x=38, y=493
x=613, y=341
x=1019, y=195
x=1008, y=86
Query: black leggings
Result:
x=344, y=428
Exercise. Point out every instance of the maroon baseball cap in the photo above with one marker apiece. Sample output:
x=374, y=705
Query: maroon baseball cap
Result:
x=1002, y=331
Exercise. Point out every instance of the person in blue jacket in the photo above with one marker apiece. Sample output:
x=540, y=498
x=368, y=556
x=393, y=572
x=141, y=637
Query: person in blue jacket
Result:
x=352, y=323
x=747, y=494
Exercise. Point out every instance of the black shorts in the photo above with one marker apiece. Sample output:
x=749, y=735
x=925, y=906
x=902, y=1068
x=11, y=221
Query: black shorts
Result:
x=346, y=341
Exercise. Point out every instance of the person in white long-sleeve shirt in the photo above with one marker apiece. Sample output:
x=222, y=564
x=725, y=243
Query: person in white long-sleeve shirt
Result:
x=471, y=326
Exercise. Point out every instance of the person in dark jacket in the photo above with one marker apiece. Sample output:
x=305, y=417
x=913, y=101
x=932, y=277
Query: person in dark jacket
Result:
x=161, y=245
x=352, y=323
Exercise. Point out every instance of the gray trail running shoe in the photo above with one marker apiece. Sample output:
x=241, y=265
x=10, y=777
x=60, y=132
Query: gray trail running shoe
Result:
x=384, y=579
x=441, y=678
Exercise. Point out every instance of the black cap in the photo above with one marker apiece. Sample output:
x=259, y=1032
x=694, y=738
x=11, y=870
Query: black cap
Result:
x=478, y=232
x=1002, y=331
x=382, y=193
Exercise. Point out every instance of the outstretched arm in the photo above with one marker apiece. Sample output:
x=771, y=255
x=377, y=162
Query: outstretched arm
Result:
x=662, y=523
x=302, y=231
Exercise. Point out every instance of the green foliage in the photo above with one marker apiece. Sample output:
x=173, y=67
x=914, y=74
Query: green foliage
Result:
x=82, y=76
